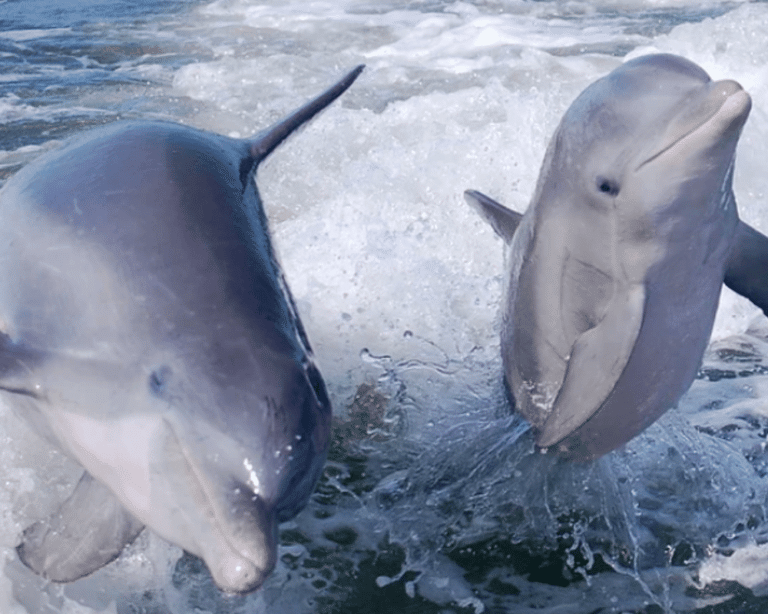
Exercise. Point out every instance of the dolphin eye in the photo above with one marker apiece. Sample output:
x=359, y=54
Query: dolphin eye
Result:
x=607, y=186
x=158, y=379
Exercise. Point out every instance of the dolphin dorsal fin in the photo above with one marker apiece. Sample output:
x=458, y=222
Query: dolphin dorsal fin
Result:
x=503, y=220
x=265, y=142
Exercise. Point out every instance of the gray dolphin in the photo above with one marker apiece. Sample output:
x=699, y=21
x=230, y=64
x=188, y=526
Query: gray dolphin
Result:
x=617, y=264
x=147, y=331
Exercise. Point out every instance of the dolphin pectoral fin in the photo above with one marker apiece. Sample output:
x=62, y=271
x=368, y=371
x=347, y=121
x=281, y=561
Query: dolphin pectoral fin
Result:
x=88, y=531
x=503, y=220
x=747, y=272
x=597, y=360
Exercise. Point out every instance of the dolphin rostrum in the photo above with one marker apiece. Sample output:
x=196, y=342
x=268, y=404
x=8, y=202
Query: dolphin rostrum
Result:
x=617, y=264
x=148, y=332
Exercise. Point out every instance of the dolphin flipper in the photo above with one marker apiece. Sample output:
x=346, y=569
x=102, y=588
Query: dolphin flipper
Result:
x=597, y=359
x=503, y=220
x=747, y=272
x=88, y=531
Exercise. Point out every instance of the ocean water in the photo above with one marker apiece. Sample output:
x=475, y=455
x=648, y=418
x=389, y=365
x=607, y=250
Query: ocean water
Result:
x=433, y=499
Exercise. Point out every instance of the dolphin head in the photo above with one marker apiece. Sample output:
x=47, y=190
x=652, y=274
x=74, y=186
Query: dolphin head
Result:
x=234, y=457
x=240, y=446
x=652, y=130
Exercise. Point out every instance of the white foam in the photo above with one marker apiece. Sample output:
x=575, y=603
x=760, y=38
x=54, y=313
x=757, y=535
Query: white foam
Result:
x=389, y=266
x=33, y=34
x=747, y=565
x=12, y=108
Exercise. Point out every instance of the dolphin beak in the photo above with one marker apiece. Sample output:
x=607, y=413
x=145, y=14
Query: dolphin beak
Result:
x=724, y=109
x=736, y=104
x=230, y=527
x=243, y=566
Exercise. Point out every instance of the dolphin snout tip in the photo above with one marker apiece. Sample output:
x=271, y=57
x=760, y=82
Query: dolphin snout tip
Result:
x=239, y=576
x=727, y=87
x=736, y=101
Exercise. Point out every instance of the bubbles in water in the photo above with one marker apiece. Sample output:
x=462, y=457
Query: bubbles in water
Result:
x=434, y=494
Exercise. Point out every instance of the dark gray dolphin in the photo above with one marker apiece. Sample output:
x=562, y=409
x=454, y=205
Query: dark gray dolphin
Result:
x=147, y=330
x=617, y=265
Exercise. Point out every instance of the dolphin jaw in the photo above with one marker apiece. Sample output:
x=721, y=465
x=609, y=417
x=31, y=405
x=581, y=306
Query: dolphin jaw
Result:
x=237, y=565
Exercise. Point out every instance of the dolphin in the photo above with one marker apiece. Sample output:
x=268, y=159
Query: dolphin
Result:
x=617, y=264
x=147, y=330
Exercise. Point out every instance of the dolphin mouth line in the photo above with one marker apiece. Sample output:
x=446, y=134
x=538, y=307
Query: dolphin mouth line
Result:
x=693, y=130
x=217, y=524
x=22, y=391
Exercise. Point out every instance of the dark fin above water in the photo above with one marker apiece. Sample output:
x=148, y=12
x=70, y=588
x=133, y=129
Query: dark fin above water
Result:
x=265, y=142
x=503, y=220
x=747, y=272
x=88, y=531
